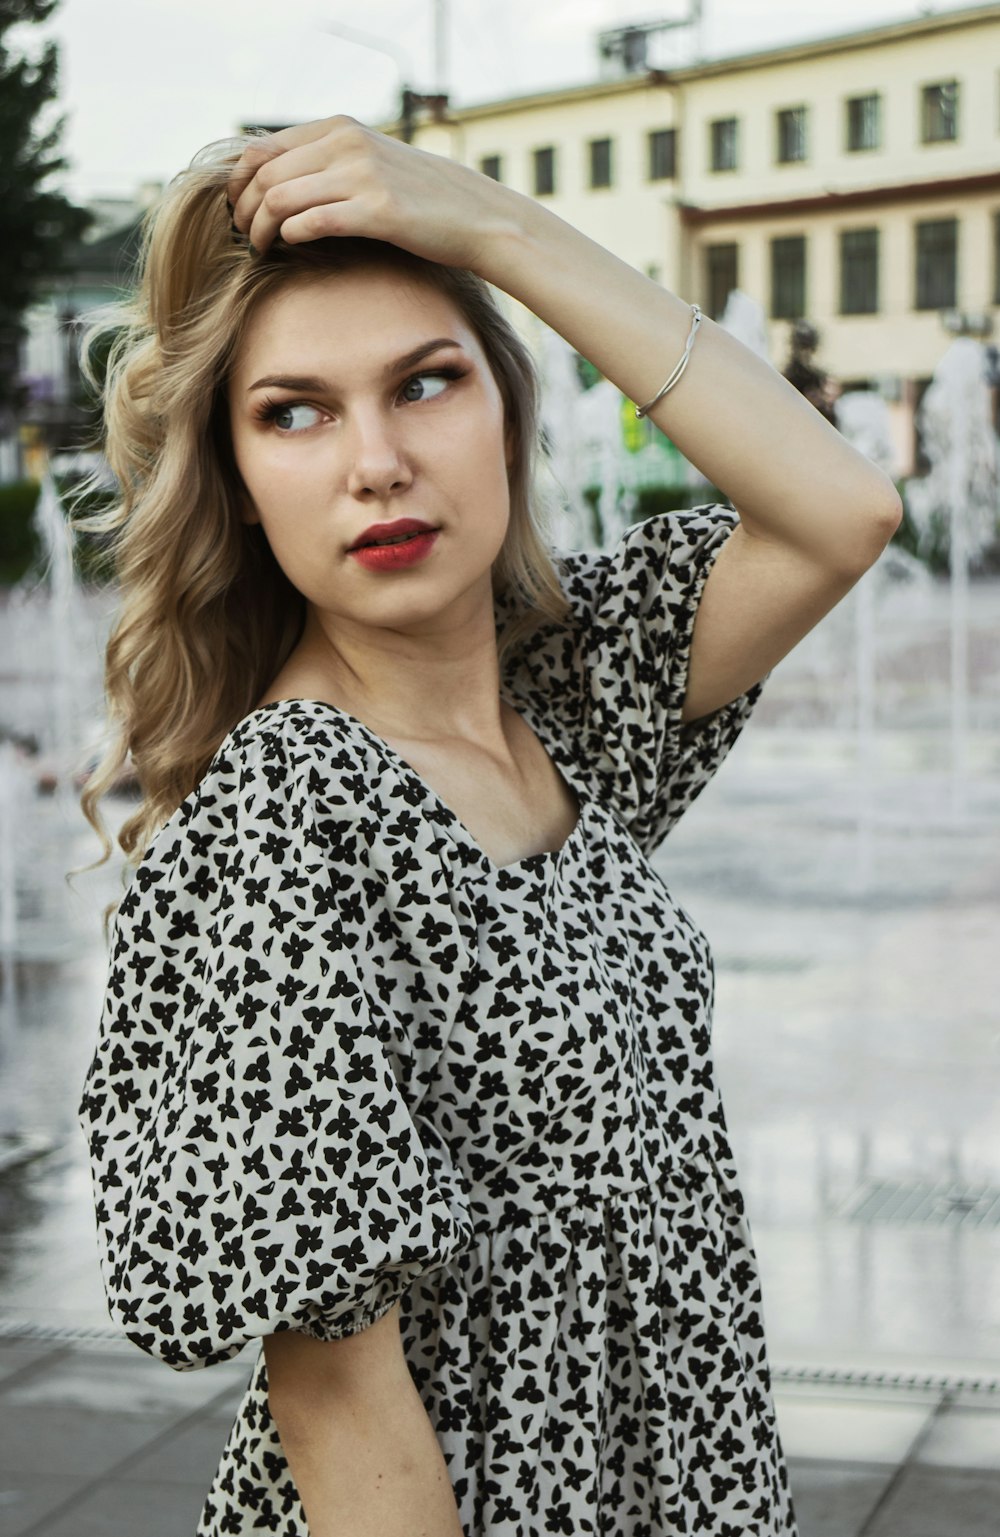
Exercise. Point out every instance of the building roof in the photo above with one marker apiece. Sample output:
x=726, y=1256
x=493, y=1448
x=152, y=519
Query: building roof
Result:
x=841, y=42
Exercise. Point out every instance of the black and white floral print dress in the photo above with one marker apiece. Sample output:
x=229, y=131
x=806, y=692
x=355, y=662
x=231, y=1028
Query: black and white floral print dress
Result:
x=346, y=1060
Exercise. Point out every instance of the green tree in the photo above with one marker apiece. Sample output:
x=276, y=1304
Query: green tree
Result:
x=39, y=225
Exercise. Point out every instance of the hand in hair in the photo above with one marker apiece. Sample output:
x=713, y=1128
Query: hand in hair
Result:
x=337, y=177
x=744, y=427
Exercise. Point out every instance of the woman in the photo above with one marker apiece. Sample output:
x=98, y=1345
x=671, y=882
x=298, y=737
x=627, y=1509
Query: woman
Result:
x=405, y=1068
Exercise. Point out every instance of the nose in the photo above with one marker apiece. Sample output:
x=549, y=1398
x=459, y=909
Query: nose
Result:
x=377, y=464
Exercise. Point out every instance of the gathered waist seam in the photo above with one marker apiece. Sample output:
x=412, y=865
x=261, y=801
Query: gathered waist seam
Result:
x=491, y=1214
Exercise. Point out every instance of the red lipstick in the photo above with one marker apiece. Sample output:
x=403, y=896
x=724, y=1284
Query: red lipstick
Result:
x=378, y=533
x=418, y=542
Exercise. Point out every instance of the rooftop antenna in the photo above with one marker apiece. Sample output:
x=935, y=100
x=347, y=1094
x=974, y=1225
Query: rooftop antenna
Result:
x=441, y=47
x=624, y=50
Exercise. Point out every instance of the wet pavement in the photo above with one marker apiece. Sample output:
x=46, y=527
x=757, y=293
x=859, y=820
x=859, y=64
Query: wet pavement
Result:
x=851, y=896
x=99, y=1441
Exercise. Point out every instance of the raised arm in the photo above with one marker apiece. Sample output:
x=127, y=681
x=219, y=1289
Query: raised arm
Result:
x=814, y=512
x=789, y=473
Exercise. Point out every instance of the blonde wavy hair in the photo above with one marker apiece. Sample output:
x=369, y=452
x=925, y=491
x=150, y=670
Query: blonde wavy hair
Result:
x=206, y=616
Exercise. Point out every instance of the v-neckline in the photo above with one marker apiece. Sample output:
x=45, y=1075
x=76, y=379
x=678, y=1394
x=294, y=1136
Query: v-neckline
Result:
x=531, y=863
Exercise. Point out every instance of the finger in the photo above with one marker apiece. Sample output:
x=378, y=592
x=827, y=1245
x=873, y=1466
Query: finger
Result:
x=263, y=149
x=288, y=200
x=276, y=171
x=253, y=157
x=344, y=217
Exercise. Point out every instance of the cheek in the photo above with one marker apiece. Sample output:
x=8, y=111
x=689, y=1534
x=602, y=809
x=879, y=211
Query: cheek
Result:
x=258, y=461
x=292, y=532
x=479, y=458
x=277, y=483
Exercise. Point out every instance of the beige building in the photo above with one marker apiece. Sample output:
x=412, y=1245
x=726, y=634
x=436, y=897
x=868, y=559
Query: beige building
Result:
x=853, y=181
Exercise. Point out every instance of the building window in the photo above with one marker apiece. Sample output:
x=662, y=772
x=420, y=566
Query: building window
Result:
x=859, y=271
x=600, y=162
x=864, y=122
x=545, y=170
x=721, y=275
x=791, y=125
x=937, y=264
x=490, y=166
x=662, y=152
x=724, y=145
x=788, y=277
x=939, y=112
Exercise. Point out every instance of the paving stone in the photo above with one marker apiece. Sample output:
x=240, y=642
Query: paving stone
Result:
x=112, y=1382
x=224, y=1411
x=964, y=1438
x=848, y=1430
x=834, y=1501
x=71, y=1444
x=25, y=1500
x=189, y=1457
x=940, y=1503
x=131, y=1510
x=15, y=1355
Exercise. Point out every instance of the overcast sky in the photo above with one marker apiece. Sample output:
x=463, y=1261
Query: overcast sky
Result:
x=147, y=82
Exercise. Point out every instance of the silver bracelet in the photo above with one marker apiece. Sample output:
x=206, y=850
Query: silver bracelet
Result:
x=695, y=323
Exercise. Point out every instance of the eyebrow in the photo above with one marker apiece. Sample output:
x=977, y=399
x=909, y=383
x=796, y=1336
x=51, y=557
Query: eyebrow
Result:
x=313, y=383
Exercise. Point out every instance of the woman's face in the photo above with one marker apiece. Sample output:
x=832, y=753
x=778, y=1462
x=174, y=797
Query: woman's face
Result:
x=335, y=427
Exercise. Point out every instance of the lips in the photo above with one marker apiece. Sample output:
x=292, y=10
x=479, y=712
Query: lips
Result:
x=389, y=533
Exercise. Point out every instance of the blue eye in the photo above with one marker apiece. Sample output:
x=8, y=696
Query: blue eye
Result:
x=279, y=411
x=442, y=378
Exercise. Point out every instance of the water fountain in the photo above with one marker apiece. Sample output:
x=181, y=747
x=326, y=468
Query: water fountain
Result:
x=744, y=318
x=49, y=693
x=863, y=418
x=584, y=450
x=587, y=447
x=561, y=465
x=959, y=495
x=46, y=635
x=599, y=456
x=12, y=787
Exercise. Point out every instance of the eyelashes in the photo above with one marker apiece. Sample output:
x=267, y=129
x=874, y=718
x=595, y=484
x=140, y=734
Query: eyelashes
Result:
x=270, y=409
x=447, y=372
x=267, y=409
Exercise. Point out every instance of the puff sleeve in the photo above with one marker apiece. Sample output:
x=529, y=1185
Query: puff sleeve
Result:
x=634, y=612
x=256, y=1164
